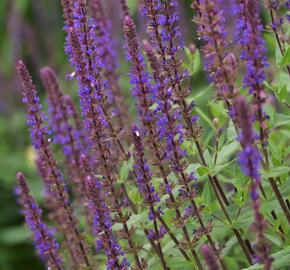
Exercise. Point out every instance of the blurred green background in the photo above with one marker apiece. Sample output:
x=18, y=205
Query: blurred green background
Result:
x=31, y=30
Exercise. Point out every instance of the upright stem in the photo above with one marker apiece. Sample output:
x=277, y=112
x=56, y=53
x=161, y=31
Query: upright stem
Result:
x=277, y=36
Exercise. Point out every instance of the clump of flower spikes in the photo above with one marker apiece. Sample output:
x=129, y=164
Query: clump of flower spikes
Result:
x=87, y=42
x=52, y=176
x=87, y=61
x=44, y=240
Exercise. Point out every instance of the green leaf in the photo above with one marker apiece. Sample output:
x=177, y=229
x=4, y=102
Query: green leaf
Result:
x=281, y=260
x=126, y=167
x=282, y=93
x=227, y=151
x=193, y=63
x=14, y=235
x=202, y=171
x=281, y=120
x=207, y=194
x=286, y=58
x=134, y=194
x=274, y=172
x=187, y=146
x=180, y=263
x=204, y=117
x=217, y=169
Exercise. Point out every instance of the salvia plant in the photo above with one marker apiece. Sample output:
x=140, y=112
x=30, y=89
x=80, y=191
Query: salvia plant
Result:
x=172, y=188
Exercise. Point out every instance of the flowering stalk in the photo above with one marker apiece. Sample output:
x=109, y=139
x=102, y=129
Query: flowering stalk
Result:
x=276, y=24
x=249, y=34
x=54, y=181
x=83, y=36
x=250, y=162
x=103, y=226
x=171, y=68
x=69, y=136
x=249, y=31
x=108, y=55
x=44, y=240
x=150, y=196
x=219, y=63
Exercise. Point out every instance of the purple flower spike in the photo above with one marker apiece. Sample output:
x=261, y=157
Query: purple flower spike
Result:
x=104, y=44
x=103, y=226
x=144, y=175
x=140, y=80
x=218, y=62
x=62, y=109
x=147, y=190
x=249, y=35
x=44, y=240
x=35, y=118
x=250, y=161
x=210, y=257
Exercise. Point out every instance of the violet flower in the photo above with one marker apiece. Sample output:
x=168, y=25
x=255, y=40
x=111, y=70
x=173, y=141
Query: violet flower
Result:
x=44, y=240
x=249, y=35
x=250, y=162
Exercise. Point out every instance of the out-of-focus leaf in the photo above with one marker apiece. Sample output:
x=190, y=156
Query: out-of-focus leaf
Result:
x=14, y=235
x=227, y=151
x=281, y=260
x=202, y=171
x=286, y=57
x=274, y=172
x=125, y=169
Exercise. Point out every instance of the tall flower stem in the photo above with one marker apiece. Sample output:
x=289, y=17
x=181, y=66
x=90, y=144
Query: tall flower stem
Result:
x=150, y=196
x=96, y=116
x=250, y=160
x=249, y=27
x=69, y=136
x=108, y=55
x=271, y=9
x=108, y=170
x=54, y=182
